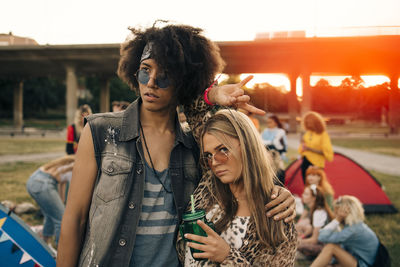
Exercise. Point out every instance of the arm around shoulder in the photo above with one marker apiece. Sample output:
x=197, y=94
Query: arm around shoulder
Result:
x=79, y=199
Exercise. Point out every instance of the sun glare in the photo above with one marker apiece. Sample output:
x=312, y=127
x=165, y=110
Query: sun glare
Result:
x=273, y=79
x=282, y=80
x=369, y=80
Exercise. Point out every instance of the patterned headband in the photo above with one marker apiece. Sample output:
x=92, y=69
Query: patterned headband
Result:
x=147, y=51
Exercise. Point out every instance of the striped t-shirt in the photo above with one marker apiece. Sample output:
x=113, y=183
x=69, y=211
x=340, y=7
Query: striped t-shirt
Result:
x=154, y=245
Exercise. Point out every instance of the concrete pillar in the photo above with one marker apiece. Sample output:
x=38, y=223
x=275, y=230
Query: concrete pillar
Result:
x=18, y=105
x=292, y=104
x=394, y=105
x=104, y=95
x=307, y=97
x=71, y=94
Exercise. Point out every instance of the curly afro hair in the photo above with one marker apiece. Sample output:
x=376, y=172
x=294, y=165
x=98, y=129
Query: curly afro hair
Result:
x=190, y=60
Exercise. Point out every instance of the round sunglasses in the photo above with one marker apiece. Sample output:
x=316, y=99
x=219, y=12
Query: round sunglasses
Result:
x=222, y=156
x=143, y=77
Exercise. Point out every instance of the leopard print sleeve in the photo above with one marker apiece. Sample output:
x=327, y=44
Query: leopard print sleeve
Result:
x=235, y=258
x=285, y=253
x=197, y=113
x=252, y=253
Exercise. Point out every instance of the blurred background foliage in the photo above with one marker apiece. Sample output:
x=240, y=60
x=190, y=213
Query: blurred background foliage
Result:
x=45, y=97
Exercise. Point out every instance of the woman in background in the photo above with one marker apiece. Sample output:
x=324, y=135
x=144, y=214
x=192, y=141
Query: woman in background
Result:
x=313, y=220
x=74, y=130
x=355, y=244
x=234, y=198
x=315, y=147
x=42, y=185
x=275, y=140
x=274, y=136
x=317, y=176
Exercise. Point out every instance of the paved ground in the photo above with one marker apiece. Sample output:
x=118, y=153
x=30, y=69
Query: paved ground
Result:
x=371, y=161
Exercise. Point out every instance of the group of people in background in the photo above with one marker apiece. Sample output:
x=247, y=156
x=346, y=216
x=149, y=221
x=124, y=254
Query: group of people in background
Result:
x=329, y=231
x=129, y=163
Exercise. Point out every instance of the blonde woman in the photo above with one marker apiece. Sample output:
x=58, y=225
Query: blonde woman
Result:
x=355, y=244
x=74, y=130
x=42, y=185
x=234, y=198
x=316, y=146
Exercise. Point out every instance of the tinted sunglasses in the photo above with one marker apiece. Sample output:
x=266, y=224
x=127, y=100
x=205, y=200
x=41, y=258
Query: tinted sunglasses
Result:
x=220, y=156
x=143, y=77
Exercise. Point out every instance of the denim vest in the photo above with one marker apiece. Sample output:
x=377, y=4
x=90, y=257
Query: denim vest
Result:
x=118, y=192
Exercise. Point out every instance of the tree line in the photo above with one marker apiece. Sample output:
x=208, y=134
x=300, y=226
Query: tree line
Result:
x=350, y=98
x=45, y=97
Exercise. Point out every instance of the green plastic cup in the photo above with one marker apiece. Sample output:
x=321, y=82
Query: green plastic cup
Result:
x=190, y=226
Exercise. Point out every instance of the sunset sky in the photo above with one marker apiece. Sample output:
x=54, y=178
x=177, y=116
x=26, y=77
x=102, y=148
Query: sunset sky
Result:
x=89, y=21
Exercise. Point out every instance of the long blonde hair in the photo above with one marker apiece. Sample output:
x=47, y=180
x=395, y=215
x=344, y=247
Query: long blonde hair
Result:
x=257, y=174
x=356, y=210
x=65, y=160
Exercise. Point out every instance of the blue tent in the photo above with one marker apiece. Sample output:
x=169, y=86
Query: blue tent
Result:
x=19, y=245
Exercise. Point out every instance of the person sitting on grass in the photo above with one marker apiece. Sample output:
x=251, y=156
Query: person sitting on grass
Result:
x=313, y=220
x=355, y=244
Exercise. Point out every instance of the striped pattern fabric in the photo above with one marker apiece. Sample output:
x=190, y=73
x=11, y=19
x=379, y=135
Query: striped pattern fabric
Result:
x=157, y=223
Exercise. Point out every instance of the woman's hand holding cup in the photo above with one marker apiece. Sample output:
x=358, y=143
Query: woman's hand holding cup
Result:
x=213, y=246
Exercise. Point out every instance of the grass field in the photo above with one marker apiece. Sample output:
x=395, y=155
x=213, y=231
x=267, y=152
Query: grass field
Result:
x=13, y=177
x=44, y=124
x=377, y=145
x=19, y=146
x=359, y=128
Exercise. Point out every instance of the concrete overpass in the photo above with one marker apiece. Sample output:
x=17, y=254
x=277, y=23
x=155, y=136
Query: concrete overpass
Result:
x=372, y=55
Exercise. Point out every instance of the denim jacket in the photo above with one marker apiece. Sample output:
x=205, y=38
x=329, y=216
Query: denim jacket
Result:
x=118, y=192
x=358, y=239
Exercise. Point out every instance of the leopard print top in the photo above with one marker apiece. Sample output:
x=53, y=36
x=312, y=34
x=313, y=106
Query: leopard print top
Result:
x=252, y=252
x=233, y=235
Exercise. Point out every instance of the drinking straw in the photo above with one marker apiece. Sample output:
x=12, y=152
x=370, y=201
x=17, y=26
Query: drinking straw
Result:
x=192, y=200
